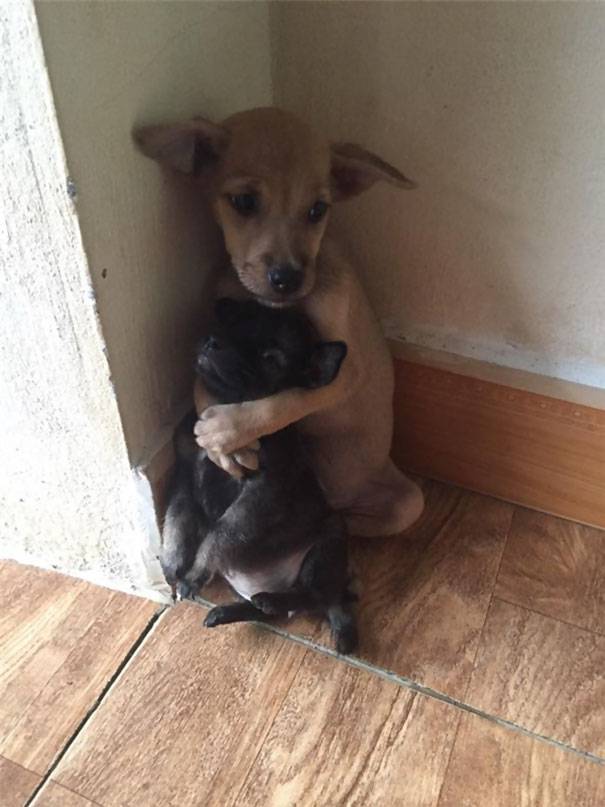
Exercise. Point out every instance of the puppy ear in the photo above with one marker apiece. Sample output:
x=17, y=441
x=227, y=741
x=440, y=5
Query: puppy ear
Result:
x=355, y=170
x=324, y=364
x=186, y=147
x=227, y=310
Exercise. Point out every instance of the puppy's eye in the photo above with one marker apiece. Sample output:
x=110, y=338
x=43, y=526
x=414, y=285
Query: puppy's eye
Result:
x=246, y=204
x=273, y=357
x=318, y=211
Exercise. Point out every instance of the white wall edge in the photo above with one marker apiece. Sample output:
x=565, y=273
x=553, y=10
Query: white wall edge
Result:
x=98, y=579
x=565, y=390
x=578, y=371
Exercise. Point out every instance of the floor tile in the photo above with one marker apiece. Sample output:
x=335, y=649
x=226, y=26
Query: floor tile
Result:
x=54, y=795
x=16, y=783
x=52, y=631
x=555, y=567
x=543, y=675
x=241, y=716
x=344, y=737
x=424, y=595
x=185, y=721
x=495, y=767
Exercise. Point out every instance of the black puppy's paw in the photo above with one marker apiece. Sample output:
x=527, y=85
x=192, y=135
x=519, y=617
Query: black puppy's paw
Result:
x=346, y=640
x=214, y=617
x=266, y=603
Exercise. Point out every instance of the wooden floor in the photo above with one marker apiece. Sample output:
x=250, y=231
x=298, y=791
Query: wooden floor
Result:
x=480, y=681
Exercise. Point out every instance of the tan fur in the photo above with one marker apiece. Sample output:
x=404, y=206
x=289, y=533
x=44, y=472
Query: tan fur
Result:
x=348, y=424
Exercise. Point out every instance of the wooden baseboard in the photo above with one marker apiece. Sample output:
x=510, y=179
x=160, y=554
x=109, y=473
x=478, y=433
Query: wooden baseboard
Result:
x=528, y=448
x=504, y=439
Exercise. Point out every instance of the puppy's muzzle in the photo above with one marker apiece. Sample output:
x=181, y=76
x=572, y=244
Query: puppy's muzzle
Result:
x=211, y=343
x=285, y=279
x=210, y=346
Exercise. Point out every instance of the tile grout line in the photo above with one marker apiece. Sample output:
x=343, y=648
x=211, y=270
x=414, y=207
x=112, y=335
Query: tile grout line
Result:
x=124, y=663
x=435, y=694
x=565, y=622
x=414, y=686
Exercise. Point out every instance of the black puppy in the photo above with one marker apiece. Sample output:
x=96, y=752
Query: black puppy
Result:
x=271, y=535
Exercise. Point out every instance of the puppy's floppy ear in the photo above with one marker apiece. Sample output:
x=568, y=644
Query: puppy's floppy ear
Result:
x=187, y=147
x=354, y=170
x=324, y=363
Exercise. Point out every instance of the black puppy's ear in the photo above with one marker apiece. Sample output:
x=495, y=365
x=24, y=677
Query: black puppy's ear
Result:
x=324, y=364
x=227, y=311
x=187, y=147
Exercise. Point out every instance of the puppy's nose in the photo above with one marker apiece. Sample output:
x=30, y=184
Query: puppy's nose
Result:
x=212, y=343
x=285, y=279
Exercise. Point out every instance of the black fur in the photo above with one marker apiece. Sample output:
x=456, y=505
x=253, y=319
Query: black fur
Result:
x=272, y=518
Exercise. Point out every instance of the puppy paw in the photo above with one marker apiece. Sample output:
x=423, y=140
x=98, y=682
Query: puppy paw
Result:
x=265, y=602
x=214, y=617
x=225, y=428
x=346, y=640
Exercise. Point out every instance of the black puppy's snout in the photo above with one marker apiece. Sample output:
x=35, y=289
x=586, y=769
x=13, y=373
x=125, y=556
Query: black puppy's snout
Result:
x=285, y=279
x=212, y=343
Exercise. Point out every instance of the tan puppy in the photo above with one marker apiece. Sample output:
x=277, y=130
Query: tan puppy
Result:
x=272, y=180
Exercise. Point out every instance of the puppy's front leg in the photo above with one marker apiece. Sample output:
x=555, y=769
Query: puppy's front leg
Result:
x=231, y=427
x=243, y=458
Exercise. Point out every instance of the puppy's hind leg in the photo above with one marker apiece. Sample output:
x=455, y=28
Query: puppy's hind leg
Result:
x=389, y=504
x=324, y=575
x=233, y=612
x=343, y=627
x=339, y=615
x=281, y=603
x=181, y=534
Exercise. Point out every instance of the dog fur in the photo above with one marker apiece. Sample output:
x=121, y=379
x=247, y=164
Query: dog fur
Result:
x=293, y=172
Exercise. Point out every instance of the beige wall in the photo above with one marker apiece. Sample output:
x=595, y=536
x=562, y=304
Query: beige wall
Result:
x=112, y=64
x=498, y=110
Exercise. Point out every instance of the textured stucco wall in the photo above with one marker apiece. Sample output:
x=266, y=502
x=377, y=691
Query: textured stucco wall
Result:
x=112, y=64
x=497, y=109
x=68, y=498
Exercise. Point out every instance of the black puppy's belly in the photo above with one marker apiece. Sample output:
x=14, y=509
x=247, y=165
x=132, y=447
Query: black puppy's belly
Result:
x=279, y=575
x=322, y=584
